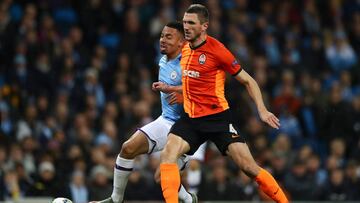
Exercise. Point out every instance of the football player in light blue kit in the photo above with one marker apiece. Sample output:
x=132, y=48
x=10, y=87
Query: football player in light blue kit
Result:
x=169, y=83
x=152, y=137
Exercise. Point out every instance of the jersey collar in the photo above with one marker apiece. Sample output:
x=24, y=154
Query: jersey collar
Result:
x=178, y=57
x=198, y=46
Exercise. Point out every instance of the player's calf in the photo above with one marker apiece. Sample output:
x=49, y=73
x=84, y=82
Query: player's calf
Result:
x=243, y=158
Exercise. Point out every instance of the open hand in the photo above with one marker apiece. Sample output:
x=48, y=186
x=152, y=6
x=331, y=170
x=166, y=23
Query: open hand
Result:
x=270, y=119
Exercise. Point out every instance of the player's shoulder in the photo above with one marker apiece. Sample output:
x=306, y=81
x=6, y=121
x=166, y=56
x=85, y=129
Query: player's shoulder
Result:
x=186, y=50
x=214, y=42
x=186, y=46
x=163, y=59
x=216, y=47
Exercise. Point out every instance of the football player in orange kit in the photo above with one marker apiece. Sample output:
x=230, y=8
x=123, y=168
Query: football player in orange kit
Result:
x=204, y=64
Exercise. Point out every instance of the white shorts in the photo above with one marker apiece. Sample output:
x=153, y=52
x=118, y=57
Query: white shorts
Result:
x=157, y=133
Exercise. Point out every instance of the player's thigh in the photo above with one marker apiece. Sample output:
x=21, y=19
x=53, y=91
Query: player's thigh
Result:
x=229, y=134
x=185, y=130
x=157, y=132
x=174, y=148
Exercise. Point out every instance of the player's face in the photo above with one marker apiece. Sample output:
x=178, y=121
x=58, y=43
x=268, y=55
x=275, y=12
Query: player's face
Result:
x=170, y=41
x=193, y=27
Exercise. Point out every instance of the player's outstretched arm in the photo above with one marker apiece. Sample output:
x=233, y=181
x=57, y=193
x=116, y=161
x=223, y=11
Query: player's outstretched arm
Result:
x=163, y=87
x=255, y=93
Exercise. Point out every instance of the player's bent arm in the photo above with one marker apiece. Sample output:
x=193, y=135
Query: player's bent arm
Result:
x=255, y=93
x=252, y=88
x=163, y=87
x=177, y=89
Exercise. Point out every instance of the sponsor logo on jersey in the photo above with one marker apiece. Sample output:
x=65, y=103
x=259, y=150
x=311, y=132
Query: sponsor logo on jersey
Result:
x=202, y=59
x=191, y=73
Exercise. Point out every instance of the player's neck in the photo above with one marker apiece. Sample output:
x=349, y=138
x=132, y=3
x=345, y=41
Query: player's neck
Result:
x=200, y=40
x=173, y=55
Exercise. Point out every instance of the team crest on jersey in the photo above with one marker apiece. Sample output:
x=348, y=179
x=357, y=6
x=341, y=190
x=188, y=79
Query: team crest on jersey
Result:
x=202, y=59
x=173, y=75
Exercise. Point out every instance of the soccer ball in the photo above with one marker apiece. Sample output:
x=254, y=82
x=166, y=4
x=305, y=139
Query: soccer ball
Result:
x=61, y=200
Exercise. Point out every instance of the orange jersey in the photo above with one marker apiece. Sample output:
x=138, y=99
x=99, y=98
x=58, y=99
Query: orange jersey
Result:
x=203, y=77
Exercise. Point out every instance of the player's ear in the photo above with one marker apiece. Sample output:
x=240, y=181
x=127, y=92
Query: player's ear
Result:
x=181, y=40
x=205, y=26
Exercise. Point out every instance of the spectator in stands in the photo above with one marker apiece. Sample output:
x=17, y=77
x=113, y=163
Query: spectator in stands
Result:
x=45, y=184
x=279, y=166
x=315, y=170
x=100, y=187
x=246, y=189
x=7, y=125
x=335, y=189
x=352, y=179
x=77, y=189
x=218, y=187
x=137, y=180
x=339, y=53
x=299, y=183
x=12, y=190
x=194, y=176
x=336, y=122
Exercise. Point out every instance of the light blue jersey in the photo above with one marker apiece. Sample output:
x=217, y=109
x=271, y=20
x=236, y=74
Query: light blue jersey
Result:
x=170, y=73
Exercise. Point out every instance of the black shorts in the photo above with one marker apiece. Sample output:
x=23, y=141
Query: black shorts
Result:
x=218, y=128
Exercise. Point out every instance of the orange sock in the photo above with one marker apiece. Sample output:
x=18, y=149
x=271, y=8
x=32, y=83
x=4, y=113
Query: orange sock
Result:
x=170, y=182
x=269, y=186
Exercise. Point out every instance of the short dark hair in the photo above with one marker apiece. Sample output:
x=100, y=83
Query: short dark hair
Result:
x=176, y=25
x=201, y=11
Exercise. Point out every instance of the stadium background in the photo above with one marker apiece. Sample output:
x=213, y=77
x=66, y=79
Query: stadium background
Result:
x=75, y=79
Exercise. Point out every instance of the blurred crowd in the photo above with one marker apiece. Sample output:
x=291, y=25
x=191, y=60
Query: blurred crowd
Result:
x=75, y=82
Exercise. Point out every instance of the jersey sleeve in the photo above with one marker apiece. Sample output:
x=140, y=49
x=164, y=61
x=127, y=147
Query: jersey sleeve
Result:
x=161, y=64
x=227, y=61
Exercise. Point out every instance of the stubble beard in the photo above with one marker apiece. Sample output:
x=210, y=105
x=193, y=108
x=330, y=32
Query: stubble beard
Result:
x=195, y=38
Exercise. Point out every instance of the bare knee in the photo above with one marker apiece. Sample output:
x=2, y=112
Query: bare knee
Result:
x=174, y=148
x=128, y=150
x=137, y=144
x=169, y=154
